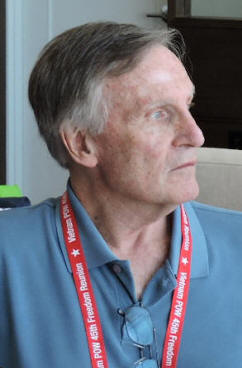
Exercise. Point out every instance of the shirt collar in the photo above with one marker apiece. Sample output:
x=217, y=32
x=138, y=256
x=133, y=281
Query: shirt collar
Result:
x=98, y=253
x=96, y=250
x=200, y=266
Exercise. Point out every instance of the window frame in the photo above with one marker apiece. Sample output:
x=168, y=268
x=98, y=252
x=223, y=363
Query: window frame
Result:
x=2, y=91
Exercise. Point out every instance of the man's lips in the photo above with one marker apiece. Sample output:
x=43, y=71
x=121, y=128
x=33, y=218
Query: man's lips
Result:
x=185, y=165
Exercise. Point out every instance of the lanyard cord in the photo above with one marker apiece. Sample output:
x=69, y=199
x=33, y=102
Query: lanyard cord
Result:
x=83, y=285
x=180, y=297
x=87, y=298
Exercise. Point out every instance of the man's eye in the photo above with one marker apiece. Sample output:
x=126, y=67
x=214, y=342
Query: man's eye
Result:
x=161, y=114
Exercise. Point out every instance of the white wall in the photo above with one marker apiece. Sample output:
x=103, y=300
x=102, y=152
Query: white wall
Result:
x=66, y=14
x=217, y=8
x=30, y=25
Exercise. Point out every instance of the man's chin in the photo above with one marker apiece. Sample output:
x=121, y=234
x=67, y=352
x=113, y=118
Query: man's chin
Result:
x=190, y=194
x=193, y=194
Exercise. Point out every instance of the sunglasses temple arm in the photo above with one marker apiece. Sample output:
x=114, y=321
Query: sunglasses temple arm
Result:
x=156, y=346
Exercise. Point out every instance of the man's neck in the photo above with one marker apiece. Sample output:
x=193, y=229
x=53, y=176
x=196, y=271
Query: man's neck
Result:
x=124, y=223
x=134, y=232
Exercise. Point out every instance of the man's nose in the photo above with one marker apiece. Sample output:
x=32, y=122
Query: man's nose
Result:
x=189, y=132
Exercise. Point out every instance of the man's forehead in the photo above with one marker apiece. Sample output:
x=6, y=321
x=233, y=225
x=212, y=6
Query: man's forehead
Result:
x=159, y=71
x=157, y=58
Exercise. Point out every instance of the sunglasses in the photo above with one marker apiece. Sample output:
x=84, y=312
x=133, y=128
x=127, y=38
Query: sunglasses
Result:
x=138, y=327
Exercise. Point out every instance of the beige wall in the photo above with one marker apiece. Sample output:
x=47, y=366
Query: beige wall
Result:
x=217, y=8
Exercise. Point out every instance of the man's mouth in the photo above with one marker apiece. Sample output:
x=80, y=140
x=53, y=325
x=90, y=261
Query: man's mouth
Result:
x=185, y=165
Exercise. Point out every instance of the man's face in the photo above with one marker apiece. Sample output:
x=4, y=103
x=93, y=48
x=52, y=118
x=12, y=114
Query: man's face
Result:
x=147, y=151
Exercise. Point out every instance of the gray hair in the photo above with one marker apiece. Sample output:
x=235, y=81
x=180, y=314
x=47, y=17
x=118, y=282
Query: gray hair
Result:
x=66, y=83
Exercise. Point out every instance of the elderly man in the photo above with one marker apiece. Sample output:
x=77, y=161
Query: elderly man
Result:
x=118, y=272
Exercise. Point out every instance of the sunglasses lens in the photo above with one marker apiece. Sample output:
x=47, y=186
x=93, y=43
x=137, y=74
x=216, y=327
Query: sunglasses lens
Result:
x=148, y=363
x=139, y=326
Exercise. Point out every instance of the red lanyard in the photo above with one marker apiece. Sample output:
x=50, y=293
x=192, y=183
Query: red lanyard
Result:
x=83, y=285
x=87, y=299
x=180, y=297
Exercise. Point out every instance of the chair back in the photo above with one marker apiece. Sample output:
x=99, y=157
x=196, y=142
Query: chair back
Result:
x=219, y=174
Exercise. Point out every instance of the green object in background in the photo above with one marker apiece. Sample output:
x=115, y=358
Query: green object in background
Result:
x=7, y=191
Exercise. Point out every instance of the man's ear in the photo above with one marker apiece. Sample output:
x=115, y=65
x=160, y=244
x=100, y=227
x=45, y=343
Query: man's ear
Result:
x=80, y=145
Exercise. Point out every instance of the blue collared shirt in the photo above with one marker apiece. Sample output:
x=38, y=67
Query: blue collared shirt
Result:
x=40, y=317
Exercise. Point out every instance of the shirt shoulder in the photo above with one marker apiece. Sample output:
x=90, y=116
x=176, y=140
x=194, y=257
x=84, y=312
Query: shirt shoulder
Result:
x=219, y=223
x=17, y=225
x=23, y=214
x=217, y=213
